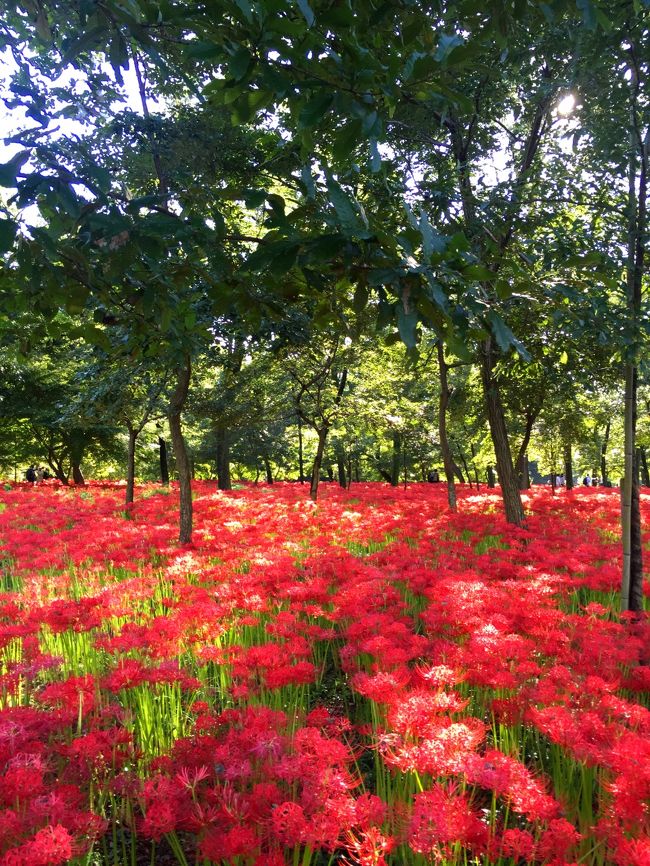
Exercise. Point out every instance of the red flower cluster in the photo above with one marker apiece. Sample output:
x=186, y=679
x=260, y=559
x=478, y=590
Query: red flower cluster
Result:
x=370, y=676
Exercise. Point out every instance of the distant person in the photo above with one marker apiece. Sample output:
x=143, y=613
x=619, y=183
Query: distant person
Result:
x=561, y=481
x=587, y=480
x=433, y=477
x=595, y=481
x=40, y=474
x=30, y=475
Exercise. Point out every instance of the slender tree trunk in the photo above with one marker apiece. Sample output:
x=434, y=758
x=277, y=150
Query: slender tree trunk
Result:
x=318, y=461
x=447, y=459
x=522, y=457
x=632, y=578
x=496, y=418
x=162, y=457
x=268, y=470
x=77, y=447
x=603, y=456
x=340, y=466
x=130, y=465
x=223, y=459
x=465, y=467
x=491, y=480
x=176, y=405
x=568, y=466
x=357, y=473
x=476, y=478
x=301, y=459
x=396, y=457
x=643, y=466
x=636, y=586
x=349, y=470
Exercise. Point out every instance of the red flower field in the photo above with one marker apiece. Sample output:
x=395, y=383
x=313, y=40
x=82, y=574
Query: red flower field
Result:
x=369, y=680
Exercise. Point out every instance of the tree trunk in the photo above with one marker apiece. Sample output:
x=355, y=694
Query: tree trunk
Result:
x=267, y=469
x=604, y=479
x=130, y=465
x=636, y=585
x=223, y=459
x=77, y=446
x=447, y=459
x=643, y=466
x=395, y=460
x=318, y=461
x=476, y=478
x=507, y=476
x=465, y=467
x=491, y=480
x=568, y=466
x=162, y=456
x=632, y=578
x=176, y=404
x=522, y=457
x=301, y=459
x=340, y=465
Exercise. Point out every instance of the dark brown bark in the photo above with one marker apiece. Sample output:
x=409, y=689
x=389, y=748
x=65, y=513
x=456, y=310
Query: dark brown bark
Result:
x=447, y=459
x=301, y=459
x=491, y=480
x=643, y=466
x=223, y=459
x=496, y=418
x=632, y=578
x=340, y=467
x=465, y=467
x=604, y=479
x=77, y=474
x=176, y=405
x=522, y=457
x=636, y=582
x=268, y=470
x=130, y=465
x=476, y=478
x=568, y=466
x=318, y=462
x=162, y=457
x=395, y=459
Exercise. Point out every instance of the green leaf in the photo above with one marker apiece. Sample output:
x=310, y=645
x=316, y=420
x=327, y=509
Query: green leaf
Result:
x=350, y=217
x=446, y=45
x=432, y=242
x=315, y=109
x=375, y=156
x=308, y=181
x=87, y=40
x=306, y=10
x=478, y=272
x=406, y=325
x=204, y=50
x=254, y=198
x=9, y=170
x=8, y=229
x=240, y=63
x=246, y=8
x=504, y=336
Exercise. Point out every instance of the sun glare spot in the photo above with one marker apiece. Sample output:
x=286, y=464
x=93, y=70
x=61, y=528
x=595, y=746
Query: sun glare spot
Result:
x=566, y=105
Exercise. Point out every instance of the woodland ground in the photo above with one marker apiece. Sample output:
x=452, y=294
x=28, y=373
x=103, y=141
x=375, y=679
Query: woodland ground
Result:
x=365, y=680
